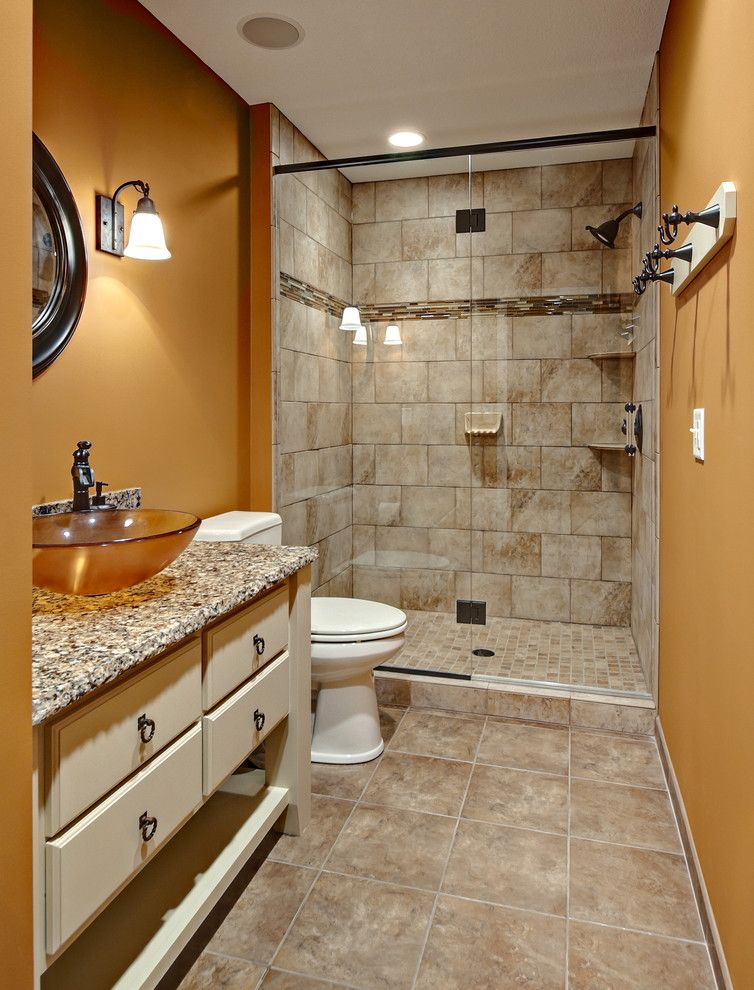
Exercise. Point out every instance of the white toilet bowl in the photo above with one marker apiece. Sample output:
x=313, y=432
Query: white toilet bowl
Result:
x=350, y=637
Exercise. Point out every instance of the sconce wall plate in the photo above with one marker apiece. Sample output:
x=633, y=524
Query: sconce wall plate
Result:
x=706, y=241
x=109, y=239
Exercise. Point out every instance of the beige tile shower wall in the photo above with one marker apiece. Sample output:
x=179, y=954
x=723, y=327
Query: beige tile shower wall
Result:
x=645, y=546
x=313, y=451
x=532, y=520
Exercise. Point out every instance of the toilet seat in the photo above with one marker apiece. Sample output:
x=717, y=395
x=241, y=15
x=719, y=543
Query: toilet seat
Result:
x=354, y=620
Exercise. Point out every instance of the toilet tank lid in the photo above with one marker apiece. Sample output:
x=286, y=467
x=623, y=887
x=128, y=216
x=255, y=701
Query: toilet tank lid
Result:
x=232, y=526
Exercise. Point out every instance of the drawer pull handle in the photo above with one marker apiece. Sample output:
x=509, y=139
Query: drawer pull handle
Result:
x=148, y=827
x=259, y=720
x=146, y=727
x=259, y=645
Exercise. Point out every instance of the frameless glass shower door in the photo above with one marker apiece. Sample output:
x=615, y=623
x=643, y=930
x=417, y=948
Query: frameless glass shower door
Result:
x=551, y=483
x=413, y=272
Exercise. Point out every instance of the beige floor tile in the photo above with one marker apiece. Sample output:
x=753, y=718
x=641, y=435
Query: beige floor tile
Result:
x=528, y=747
x=492, y=948
x=276, y=979
x=509, y=866
x=390, y=719
x=342, y=780
x=632, y=888
x=633, y=816
x=622, y=759
x=311, y=848
x=606, y=957
x=212, y=972
x=358, y=932
x=519, y=798
x=404, y=847
x=438, y=734
x=419, y=783
x=258, y=920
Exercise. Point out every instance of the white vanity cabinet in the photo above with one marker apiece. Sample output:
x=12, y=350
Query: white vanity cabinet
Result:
x=144, y=812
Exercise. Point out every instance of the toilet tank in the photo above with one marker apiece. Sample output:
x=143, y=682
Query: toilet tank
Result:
x=242, y=527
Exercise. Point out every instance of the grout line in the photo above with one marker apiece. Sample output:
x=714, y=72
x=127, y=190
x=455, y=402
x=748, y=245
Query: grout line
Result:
x=320, y=870
x=323, y=979
x=447, y=862
x=629, y=845
x=618, y=783
x=638, y=931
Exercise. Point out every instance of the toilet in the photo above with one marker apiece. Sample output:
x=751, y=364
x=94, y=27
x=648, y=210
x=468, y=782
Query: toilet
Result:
x=350, y=637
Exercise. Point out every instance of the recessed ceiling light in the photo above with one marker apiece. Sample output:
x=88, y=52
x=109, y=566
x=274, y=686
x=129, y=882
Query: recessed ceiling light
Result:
x=406, y=139
x=268, y=31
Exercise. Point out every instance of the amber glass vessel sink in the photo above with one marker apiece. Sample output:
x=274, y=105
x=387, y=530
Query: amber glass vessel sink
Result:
x=94, y=553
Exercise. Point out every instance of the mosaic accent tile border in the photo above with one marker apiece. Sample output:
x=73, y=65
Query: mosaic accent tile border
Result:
x=293, y=288
x=121, y=498
x=309, y=295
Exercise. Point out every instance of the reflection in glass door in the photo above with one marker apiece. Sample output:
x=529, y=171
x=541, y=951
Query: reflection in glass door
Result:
x=412, y=392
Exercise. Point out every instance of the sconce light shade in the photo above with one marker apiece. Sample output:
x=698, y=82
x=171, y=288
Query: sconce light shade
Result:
x=393, y=335
x=146, y=239
x=360, y=336
x=351, y=319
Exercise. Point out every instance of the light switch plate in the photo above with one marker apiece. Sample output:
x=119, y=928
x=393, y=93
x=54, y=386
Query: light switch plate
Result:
x=697, y=434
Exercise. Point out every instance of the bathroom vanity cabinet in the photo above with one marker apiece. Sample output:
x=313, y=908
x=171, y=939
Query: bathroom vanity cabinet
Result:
x=146, y=808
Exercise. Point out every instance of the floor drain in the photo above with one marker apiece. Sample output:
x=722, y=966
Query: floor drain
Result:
x=483, y=653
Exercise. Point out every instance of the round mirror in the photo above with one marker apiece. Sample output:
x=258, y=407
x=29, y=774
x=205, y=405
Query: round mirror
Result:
x=58, y=258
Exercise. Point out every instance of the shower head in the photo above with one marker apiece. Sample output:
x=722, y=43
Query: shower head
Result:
x=608, y=231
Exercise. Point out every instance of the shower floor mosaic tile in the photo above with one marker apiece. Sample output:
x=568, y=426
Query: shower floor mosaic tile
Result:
x=559, y=652
x=476, y=852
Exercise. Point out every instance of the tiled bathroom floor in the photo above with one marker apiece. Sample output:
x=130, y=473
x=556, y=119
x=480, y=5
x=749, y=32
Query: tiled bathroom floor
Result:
x=559, y=652
x=476, y=852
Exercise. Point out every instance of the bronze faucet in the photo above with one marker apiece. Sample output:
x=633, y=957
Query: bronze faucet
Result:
x=83, y=479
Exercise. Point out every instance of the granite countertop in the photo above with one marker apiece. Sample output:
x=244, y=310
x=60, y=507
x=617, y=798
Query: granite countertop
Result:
x=80, y=643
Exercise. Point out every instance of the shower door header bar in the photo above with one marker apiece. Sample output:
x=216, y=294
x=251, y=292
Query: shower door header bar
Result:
x=493, y=147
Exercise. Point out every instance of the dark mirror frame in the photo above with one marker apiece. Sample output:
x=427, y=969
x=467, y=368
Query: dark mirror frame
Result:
x=54, y=326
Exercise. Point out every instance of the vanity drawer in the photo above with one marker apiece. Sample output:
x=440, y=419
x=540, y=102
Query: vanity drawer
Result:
x=97, y=747
x=237, y=726
x=240, y=646
x=90, y=862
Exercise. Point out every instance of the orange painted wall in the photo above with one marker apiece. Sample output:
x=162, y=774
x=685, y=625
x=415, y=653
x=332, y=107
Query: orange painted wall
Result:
x=157, y=373
x=15, y=440
x=707, y=510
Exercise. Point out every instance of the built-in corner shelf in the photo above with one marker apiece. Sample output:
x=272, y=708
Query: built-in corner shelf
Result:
x=609, y=355
x=607, y=446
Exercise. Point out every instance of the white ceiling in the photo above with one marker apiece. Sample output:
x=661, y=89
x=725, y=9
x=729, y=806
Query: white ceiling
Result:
x=459, y=71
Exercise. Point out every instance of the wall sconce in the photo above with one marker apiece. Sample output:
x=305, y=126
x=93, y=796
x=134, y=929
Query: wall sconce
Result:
x=351, y=319
x=146, y=239
x=393, y=335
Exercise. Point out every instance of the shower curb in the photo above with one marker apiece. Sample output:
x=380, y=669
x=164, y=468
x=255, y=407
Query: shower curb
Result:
x=632, y=716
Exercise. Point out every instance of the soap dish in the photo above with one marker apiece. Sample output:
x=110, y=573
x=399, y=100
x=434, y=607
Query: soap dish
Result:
x=483, y=424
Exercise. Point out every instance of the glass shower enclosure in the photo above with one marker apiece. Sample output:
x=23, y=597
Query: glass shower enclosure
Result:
x=487, y=491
